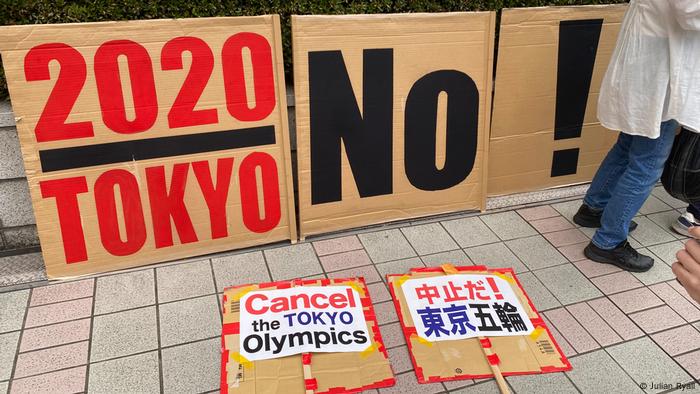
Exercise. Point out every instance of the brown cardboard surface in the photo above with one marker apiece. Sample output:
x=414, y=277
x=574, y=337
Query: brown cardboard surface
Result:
x=29, y=99
x=522, y=128
x=421, y=44
x=329, y=372
x=465, y=359
x=351, y=370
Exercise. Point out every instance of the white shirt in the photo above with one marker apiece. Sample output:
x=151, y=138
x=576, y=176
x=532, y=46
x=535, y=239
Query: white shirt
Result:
x=654, y=72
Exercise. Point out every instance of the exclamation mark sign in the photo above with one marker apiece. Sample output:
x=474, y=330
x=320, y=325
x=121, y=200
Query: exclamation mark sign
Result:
x=495, y=289
x=578, y=45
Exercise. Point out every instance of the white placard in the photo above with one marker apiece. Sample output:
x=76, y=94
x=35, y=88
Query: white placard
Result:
x=278, y=323
x=464, y=306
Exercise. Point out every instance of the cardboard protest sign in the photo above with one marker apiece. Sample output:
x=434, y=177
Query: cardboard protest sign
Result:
x=392, y=116
x=468, y=322
x=551, y=62
x=302, y=336
x=154, y=140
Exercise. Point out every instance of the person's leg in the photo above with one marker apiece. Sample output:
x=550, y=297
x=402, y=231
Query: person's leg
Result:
x=608, y=174
x=646, y=163
x=603, y=184
x=694, y=209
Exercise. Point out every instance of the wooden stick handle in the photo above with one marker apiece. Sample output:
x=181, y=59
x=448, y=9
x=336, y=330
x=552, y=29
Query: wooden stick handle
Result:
x=500, y=380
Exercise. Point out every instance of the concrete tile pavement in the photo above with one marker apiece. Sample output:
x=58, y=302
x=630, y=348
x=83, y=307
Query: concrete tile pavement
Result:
x=647, y=363
x=124, y=333
x=176, y=282
x=496, y=255
x=132, y=374
x=120, y=292
x=12, y=308
x=188, y=368
x=597, y=372
x=156, y=328
x=658, y=273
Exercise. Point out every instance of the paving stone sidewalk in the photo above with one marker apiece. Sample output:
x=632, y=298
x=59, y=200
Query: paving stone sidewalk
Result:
x=156, y=329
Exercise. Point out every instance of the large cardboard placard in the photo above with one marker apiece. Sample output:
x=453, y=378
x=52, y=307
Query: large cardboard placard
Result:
x=550, y=65
x=392, y=116
x=488, y=321
x=154, y=140
x=321, y=370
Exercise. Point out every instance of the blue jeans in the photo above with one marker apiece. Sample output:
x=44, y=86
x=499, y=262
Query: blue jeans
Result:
x=625, y=180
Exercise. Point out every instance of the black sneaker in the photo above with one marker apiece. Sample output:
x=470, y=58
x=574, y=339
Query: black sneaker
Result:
x=623, y=256
x=587, y=217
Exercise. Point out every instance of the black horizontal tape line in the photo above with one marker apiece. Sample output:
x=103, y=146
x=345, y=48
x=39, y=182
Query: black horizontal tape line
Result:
x=153, y=148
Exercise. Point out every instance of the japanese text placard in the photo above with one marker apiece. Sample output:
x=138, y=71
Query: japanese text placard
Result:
x=464, y=306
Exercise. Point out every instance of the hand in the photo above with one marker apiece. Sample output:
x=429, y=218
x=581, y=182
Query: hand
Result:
x=687, y=268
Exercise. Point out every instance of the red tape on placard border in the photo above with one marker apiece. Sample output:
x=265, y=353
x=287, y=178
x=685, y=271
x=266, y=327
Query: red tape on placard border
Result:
x=459, y=269
x=338, y=390
x=224, y=377
x=231, y=328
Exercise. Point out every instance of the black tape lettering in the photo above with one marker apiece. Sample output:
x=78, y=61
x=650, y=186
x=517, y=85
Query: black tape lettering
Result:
x=420, y=126
x=153, y=148
x=335, y=117
x=578, y=46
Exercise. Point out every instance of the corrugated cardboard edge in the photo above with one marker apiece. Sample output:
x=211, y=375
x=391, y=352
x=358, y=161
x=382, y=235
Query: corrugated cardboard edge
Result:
x=286, y=144
x=370, y=316
x=408, y=331
x=491, y=40
x=297, y=87
x=564, y=7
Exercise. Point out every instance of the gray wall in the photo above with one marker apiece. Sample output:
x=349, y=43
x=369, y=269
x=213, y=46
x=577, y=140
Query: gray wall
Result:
x=17, y=229
x=17, y=224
